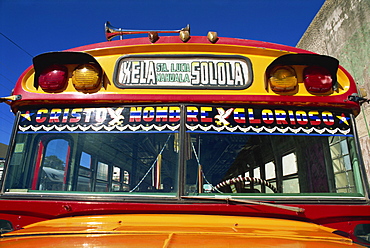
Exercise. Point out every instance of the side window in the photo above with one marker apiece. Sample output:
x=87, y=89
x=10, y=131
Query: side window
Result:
x=102, y=173
x=267, y=173
x=126, y=177
x=84, y=173
x=343, y=172
x=257, y=174
x=54, y=165
x=290, y=174
x=116, y=179
x=126, y=181
x=270, y=173
x=102, y=177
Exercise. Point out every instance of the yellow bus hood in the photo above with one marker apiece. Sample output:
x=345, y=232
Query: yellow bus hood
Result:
x=172, y=230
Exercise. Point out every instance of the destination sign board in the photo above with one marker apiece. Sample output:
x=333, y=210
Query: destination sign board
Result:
x=243, y=119
x=186, y=71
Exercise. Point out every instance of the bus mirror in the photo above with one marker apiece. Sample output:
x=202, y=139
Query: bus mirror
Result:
x=10, y=98
x=362, y=232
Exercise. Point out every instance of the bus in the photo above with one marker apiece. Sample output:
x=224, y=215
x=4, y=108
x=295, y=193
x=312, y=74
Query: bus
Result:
x=174, y=140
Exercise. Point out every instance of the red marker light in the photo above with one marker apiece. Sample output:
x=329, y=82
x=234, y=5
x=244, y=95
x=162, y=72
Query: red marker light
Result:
x=53, y=78
x=317, y=79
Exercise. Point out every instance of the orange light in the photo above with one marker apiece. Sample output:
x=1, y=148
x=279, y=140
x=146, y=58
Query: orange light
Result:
x=86, y=77
x=283, y=79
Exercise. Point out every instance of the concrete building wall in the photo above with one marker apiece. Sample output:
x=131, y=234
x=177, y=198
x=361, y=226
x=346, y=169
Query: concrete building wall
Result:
x=342, y=29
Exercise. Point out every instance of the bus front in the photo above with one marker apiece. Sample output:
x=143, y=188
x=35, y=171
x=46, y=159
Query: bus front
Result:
x=177, y=142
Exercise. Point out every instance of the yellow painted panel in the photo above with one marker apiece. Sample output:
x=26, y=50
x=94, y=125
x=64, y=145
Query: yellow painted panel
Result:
x=170, y=230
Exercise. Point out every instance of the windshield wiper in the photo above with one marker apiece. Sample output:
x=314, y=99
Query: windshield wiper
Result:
x=230, y=199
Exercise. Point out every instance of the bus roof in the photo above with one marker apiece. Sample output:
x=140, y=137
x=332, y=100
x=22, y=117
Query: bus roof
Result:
x=108, y=56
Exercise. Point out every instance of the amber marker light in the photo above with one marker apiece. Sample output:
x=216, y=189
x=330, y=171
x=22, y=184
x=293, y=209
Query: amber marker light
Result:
x=283, y=79
x=317, y=79
x=86, y=78
x=53, y=78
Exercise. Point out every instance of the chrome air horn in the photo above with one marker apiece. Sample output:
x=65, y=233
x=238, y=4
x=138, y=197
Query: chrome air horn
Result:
x=111, y=32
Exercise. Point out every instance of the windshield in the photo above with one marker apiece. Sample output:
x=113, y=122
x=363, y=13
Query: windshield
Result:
x=289, y=164
x=188, y=150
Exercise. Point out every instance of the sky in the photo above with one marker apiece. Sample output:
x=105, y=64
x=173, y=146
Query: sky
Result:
x=32, y=27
